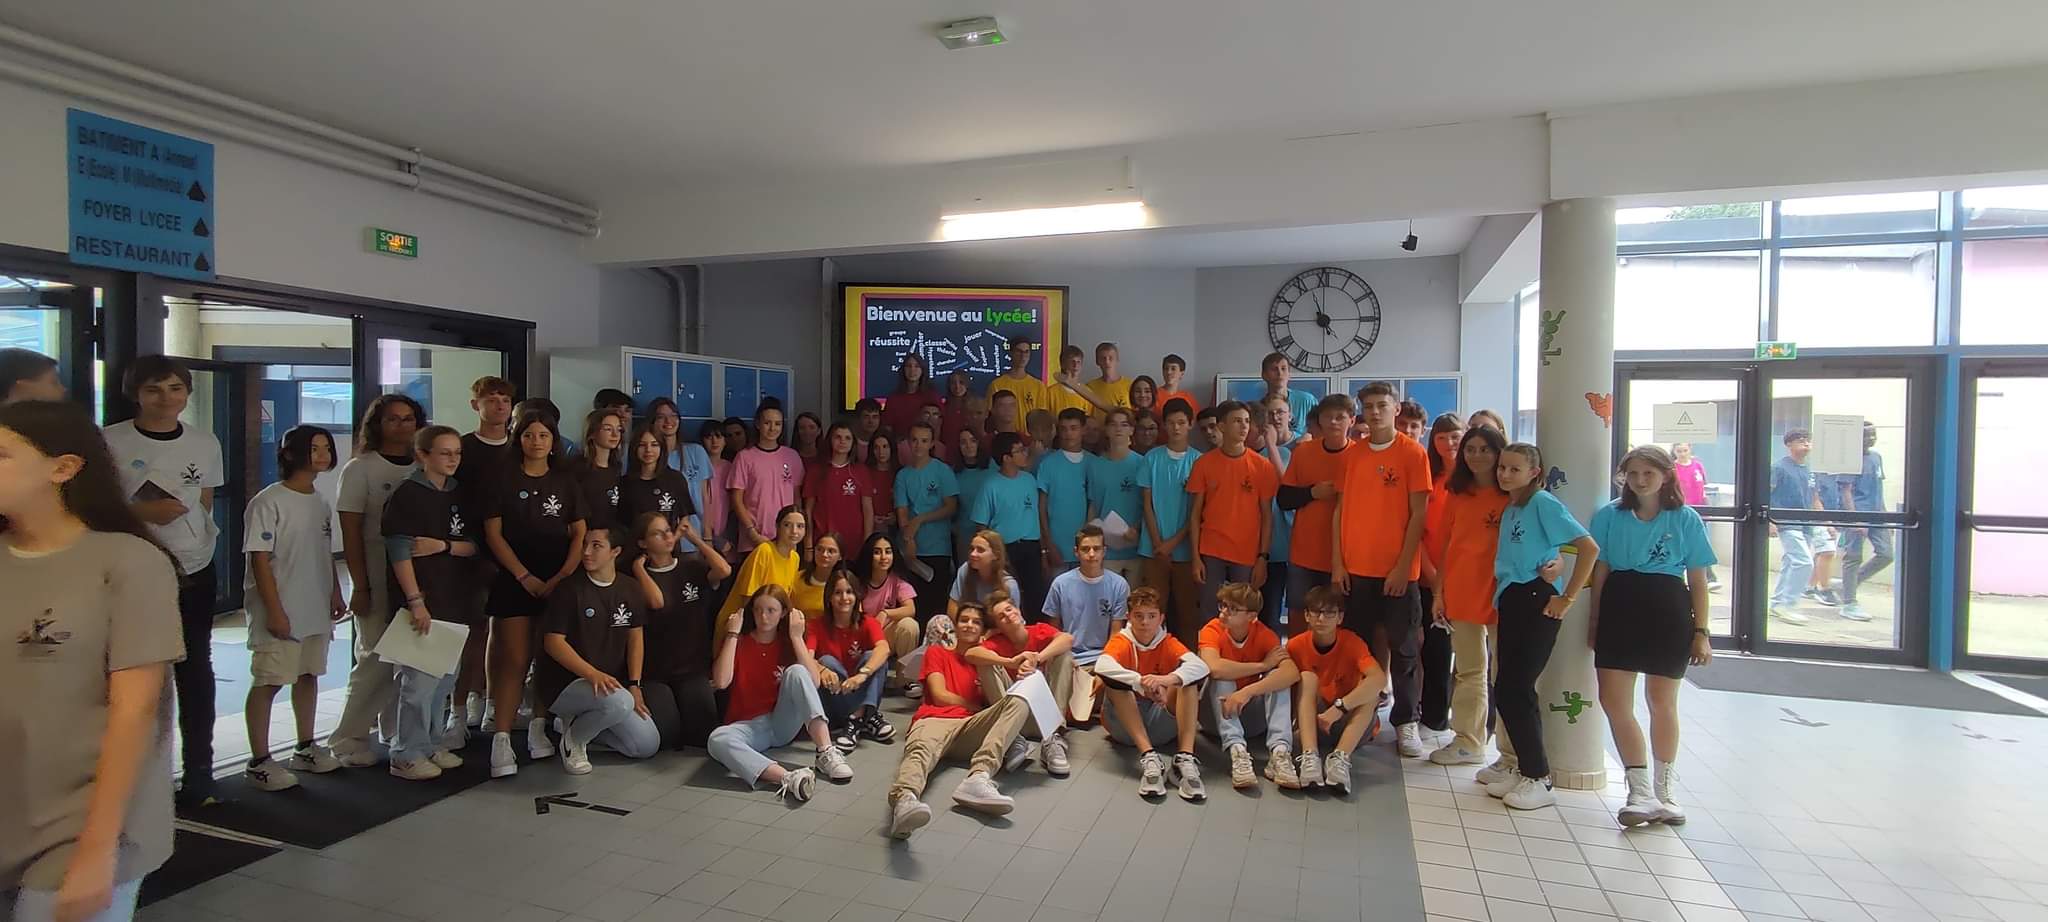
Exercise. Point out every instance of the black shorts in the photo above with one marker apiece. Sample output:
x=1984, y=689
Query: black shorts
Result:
x=508, y=599
x=1645, y=624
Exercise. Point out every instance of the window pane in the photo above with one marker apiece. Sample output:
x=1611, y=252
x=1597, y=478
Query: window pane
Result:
x=2008, y=206
x=1687, y=300
x=1889, y=213
x=1876, y=295
x=2007, y=448
x=2005, y=291
x=1689, y=223
x=1529, y=346
x=2008, y=606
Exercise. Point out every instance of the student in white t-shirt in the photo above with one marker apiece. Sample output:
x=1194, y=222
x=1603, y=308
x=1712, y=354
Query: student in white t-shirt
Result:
x=383, y=460
x=168, y=474
x=293, y=600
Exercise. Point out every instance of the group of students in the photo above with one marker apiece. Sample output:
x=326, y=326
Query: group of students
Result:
x=642, y=592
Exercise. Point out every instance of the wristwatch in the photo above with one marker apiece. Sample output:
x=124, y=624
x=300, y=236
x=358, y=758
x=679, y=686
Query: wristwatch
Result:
x=632, y=683
x=866, y=671
x=1339, y=705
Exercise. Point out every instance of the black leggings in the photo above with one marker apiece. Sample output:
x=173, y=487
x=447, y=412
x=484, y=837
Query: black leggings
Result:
x=1436, y=670
x=1526, y=638
x=194, y=676
x=684, y=709
x=1027, y=564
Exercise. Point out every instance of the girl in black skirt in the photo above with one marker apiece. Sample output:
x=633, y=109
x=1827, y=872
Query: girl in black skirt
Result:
x=1649, y=617
x=533, y=525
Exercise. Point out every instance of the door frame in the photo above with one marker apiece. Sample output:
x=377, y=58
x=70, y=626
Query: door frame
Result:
x=238, y=454
x=1967, y=522
x=511, y=343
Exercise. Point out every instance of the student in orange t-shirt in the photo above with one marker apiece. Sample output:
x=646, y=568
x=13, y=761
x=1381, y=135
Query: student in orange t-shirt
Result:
x=1376, y=537
x=1171, y=370
x=1152, y=685
x=1435, y=704
x=1463, y=546
x=1230, y=514
x=1250, y=682
x=1340, y=685
x=1309, y=490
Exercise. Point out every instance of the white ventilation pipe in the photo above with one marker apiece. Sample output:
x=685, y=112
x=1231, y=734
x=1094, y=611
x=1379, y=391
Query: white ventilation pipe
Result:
x=92, y=61
x=72, y=86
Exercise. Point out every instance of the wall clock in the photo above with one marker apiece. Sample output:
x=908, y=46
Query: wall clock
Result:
x=1324, y=320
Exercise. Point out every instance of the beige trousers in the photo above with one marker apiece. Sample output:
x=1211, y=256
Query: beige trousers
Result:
x=980, y=739
x=1472, y=656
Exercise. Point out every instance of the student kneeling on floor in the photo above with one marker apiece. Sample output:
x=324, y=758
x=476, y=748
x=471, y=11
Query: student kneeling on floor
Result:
x=1152, y=684
x=596, y=647
x=955, y=720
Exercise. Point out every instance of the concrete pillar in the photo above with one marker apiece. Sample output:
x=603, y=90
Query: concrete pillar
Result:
x=1573, y=379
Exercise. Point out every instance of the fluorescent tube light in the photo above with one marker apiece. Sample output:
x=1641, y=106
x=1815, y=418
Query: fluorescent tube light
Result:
x=1037, y=222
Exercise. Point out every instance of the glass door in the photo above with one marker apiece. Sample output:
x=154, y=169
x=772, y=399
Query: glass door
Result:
x=2002, y=589
x=1841, y=465
x=55, y=319
x=433, y=367
x=1695, y=412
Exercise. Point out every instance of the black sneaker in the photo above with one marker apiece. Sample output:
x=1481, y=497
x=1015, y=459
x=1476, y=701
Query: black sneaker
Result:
x=844, y=738
x=1825, y=597
x=873, y=726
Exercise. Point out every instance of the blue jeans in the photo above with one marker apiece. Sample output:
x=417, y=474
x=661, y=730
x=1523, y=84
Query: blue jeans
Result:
x=839, y=707
x=41, y=905
x=741, y=747
x=588, y=718
x=422, y=713
x=1271, y=715
x=1795, y=568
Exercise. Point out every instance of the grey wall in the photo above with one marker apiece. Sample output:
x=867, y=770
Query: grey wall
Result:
x=636, y=306
x=1418, y=310
x=769, y=311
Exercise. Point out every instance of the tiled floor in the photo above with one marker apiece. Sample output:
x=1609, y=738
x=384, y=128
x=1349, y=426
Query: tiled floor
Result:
x=1883, y=813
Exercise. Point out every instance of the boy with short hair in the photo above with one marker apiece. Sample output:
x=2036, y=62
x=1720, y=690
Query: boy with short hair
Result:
x=1088, y=603
x=1269, y=438
x=169, y=472
x=1277, y=372
x=1207, y=429
x=1375, y=535
x=1009, y=505
x=1041, y=427
x=954, y=719
x=1011, y=650
x=487, y=453
x=1063, y=484
x=1113, y=487
x=1230, y=518
x=1003, y=415
x=927, y=495
x=1163, y=487
x=1067, y=390
x=1309, y=487
x=1171, y=370
x=293, y=600
x=1153, y=685
x=595, y=639
x=867, y=420
x=1251, y=680
x=1338, y=690
x=1026, y=387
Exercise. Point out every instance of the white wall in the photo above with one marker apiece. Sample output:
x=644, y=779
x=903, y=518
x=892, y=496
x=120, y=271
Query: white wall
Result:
x=1418, y=315
x=1486, y=354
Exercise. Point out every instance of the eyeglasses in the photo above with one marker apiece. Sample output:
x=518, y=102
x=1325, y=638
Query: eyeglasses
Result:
x=1325, y=613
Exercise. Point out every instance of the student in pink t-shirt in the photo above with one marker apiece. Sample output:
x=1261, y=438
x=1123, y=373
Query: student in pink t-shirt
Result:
x=765, y=478
x=1692, y=484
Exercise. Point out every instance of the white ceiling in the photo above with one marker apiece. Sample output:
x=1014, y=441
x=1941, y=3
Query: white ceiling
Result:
x=599, y=100
x=1203, y=249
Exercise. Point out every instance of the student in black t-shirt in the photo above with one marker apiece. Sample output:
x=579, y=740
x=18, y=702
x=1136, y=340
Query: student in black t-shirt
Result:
x=678, y=690
x=599, y=466
x=534, y=527
x=650, y=485
x=432, y=548
x=486, y=454
x=596, y=647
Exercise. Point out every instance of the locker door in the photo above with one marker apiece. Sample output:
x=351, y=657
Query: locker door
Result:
x=742, y=391
x=693, y=388
x=774, y=382
x=649, y=377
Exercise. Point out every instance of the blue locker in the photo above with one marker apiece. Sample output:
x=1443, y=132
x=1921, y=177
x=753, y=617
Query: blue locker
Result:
x=774, y=383
x=652, y=377
x=742, y=392
x=1317, y=386
x=1437, y=395
x=693, y=388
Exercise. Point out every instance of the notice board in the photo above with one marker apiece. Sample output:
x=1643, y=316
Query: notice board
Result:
x=952, y=328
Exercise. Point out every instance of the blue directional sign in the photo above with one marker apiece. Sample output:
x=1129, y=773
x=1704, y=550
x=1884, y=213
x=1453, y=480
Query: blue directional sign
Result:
x=141, y=199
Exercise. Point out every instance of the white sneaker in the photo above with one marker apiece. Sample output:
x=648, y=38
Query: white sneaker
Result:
x=833, y=765
x=489, y=719
x=1019, y=754
x=1787, y=615
x=1438, y=739
x=417, y=770
x=1668, y=810
x=980, y=794
x=445, y=759
x=1309, y=767
x=1280, y=768
x=354, y=753
x=1502, y=768
x=1337, y=772
x=1053, y=755
x=907, y=815
x=575, y=756
x=1151, y=775
x=1408, y=738
x=1242, y=775
x=474, y=711
x=504, y=764
x=1529, y=794
x=453, y=739
x=537, y=744
x=1456, y=755
x=268, y=775
x=1188, y=773
x=797, y=785
x=1642, y=806
x=316, y=759
x=1852, y=612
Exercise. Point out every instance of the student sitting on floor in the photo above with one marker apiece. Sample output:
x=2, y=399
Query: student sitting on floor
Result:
x=1153, y=686
x=1250, y=682
x=595, y=641
x=851, y=652
x=955, y=720
x=774, y=696
x=678, y=629
x=1340, y=684
x=1011, y=650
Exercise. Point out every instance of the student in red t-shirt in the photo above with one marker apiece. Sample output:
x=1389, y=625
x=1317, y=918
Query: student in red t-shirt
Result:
x=1251, y=680
x=955, y=720
x=1153, y=686
x=773, y=695
x=1011, y=651
x=851, y=653
x=839, y=492
x=1335, y=704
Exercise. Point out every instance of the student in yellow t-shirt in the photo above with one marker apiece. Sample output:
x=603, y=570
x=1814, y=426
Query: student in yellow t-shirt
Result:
x=1066, y=390
x=1021, y=383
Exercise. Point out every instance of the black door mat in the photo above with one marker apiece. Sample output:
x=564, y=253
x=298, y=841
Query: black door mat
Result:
x=1906, y=687
x=2036, y=685
x=325, y=809
x=198, y=858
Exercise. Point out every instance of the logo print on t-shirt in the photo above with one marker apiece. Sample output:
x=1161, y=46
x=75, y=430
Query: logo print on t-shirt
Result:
x=846, y=488
x=785, y=472
x=1515, y=533
x=931, y=489
x=1029, y=502
x=552, y=506
x=1130, y=483
x=327, y=529
x=622, y=616
x=1493, y=521
x=1389, y=476
x=1660, y=552
x=39, y=641
x=690, y=592
x=192, y=475
x=664, y=500
x=1246, y=485
x=612, y=495
x=455, y=523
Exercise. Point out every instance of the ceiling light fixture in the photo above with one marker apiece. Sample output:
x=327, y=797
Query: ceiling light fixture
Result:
x=1410, y=242
x=971, y=33
x=1039, y=222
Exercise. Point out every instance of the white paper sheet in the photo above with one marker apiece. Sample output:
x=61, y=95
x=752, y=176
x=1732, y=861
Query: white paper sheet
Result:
x=1113, y=529
x=436, y=653
x=1045, y=712
x=920, y=570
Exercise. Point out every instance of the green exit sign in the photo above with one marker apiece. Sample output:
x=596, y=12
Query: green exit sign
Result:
x=1776, y=351
x=393, y=243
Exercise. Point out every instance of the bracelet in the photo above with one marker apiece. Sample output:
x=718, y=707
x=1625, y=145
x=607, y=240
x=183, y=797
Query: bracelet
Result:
x=414, y=598
x=1703, y=632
